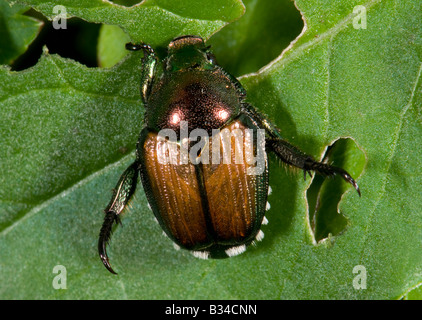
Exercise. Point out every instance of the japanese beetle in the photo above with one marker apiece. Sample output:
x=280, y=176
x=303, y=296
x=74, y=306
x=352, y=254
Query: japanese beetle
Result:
x=213, y=208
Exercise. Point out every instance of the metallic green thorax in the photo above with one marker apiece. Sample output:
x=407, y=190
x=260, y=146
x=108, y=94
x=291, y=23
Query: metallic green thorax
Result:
x=188, y=87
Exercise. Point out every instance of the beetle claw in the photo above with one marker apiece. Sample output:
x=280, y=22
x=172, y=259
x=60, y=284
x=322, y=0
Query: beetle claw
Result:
x=330, y=171
x=104, y=259
x=350, y=180
x=345, y=175
x=105, y=235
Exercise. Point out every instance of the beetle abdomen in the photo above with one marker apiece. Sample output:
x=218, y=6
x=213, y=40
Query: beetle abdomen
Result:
x=208, y=207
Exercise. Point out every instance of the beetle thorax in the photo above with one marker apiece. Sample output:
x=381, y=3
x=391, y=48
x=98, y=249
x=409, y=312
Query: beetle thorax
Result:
x=202, y=98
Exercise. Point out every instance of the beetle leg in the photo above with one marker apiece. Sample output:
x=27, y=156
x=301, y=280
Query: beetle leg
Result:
x=121, y=196
x=149, y=68
x=292, y=155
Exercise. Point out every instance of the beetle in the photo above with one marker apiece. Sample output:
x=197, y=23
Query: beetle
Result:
x=213, y=209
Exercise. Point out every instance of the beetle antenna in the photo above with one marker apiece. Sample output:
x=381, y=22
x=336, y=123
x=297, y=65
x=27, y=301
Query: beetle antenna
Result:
x=105, y=235
x=138, y=46
x=133, y=47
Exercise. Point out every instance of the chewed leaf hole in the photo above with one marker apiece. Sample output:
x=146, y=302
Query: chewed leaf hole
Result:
x=324, y=194
x=258, y=37
x=73, y=38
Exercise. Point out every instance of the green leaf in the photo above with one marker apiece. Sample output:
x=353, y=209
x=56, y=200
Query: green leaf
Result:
x=111, y=45
x=414, y=293
x=47, y=116
x=153, y=21
x=69, y=131
x=16, y=31
x=258, y=37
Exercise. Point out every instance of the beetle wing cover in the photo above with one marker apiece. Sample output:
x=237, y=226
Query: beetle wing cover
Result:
x=236, y=199
x=174, y=195
x=211, y=202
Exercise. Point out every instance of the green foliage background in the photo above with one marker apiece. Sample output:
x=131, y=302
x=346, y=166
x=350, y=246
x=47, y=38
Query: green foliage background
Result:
x=68, y=132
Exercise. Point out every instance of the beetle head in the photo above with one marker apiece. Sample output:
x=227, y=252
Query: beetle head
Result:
x=189, y=52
